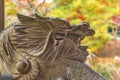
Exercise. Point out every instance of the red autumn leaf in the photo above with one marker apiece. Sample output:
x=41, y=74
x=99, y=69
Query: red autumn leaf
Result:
x=116, y=20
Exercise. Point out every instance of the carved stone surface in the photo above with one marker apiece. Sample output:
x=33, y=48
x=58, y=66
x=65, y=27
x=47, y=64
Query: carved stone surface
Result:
x=44, y=48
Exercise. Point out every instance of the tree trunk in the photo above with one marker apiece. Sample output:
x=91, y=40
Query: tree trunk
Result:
x=1, y=15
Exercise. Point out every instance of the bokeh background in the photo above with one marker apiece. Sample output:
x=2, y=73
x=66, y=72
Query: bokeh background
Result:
x=103, y=16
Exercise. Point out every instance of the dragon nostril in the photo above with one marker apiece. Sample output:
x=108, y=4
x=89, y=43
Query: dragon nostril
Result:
x=23, y=67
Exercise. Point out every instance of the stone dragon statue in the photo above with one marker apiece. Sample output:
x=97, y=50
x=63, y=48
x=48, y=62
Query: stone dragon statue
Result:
x=44, y=48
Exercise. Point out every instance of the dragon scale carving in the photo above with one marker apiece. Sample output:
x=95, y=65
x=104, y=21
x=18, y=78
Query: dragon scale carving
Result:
x=44, y=48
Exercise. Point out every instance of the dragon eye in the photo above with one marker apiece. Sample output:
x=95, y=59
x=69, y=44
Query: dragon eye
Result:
x=59, y=36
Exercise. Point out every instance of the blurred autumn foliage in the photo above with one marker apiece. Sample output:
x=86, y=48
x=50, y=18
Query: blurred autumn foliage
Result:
x=97, y=12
